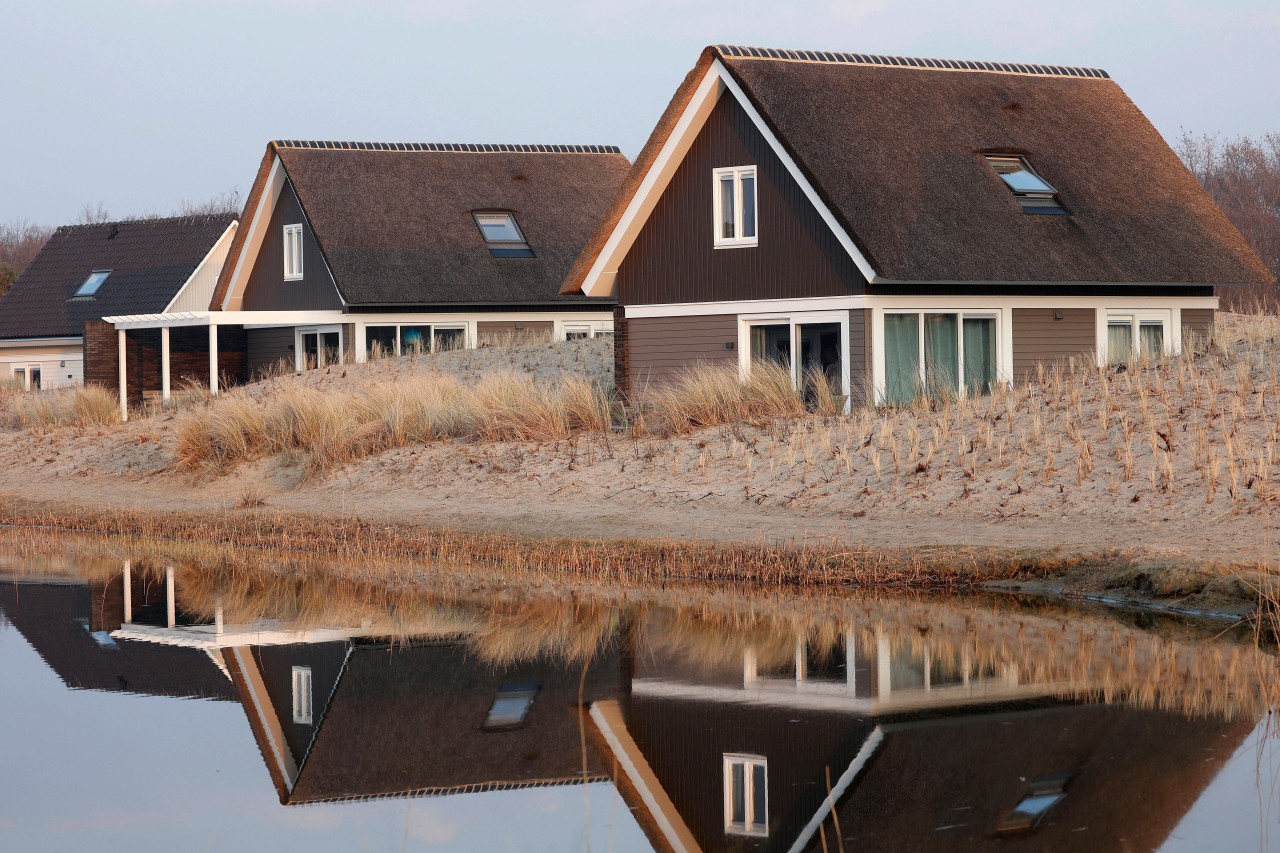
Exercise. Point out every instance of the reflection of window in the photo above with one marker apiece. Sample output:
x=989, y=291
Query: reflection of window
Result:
x=746, y=795
x=292, y=252
x=734, y=200
x=1033, y=192
x=511, y=706
x=1041, y=795
x=302, y=694
x=930, y=354
x=502, y=235
x=93, y=282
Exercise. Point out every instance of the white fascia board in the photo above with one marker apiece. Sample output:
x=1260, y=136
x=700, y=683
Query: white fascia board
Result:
x=257, y=231
x=746, y=306
x=859, y=260
x=30, y=342
x=227, y=235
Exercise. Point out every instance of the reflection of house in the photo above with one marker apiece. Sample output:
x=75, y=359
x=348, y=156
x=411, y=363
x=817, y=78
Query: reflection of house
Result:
x=69, y=625
x=912, y=753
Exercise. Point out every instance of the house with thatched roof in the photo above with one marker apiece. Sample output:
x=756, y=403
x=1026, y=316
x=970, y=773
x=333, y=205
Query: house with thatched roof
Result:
x=903, y=225
x=86, y=272
x=356, y=249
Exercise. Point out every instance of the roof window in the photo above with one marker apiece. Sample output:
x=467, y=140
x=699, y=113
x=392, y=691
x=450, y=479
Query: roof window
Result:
x=502, y=235
x=93, y=282
x=1034, y=193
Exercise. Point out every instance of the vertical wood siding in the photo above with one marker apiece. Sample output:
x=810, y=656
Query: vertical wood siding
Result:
x=1037, y=337
x=197, y=293
x=660, y=348
x=674, y=260
x=267, y=290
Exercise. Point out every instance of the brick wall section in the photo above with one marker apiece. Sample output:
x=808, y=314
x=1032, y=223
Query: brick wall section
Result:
x=188, y=357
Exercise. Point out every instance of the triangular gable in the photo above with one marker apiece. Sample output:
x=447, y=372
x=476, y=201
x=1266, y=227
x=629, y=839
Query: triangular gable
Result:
x=680, y=125
x=196, y=291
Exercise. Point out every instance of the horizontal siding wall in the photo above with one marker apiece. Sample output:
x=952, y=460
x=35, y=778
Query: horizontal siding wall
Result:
x=267, y=347
x=1197, y=322
x=857, y=350
x=674, y=258
x=659, y=349
x=1038, y=337
x=498, y=333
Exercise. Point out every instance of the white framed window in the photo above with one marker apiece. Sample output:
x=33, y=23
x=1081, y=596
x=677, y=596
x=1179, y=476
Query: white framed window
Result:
x=302, y=709
x=293, y=252
x=502, y=235
x=413, y=338
x=1137, y=334
x=317, y=346
x=577, y=332
x=1034, y=193
x=809, y=344
x=734, y=200
x=937, y=353
x=746, y=795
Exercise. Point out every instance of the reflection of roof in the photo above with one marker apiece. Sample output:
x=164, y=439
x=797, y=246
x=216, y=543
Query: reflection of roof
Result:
x=407, y=720
x=54, y=619
x=1133, y=775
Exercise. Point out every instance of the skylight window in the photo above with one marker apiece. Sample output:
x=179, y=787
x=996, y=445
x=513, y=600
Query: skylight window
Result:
x=502, y=235
x=1034, y=193
x=93, y=282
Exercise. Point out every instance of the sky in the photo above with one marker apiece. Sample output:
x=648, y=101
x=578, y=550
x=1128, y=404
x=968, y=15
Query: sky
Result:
x=140, y=105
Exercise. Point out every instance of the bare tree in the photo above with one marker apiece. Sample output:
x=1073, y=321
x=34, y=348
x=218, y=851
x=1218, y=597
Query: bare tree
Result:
x=225, y=202
x=20, y=241
x=91, y=215
x=1243, y=177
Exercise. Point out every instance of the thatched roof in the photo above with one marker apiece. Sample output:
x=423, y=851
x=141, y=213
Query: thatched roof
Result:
x=394, y=220
x=150, y=260
x=893, y=147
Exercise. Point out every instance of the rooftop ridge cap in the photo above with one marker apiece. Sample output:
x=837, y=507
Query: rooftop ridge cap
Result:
x=150, y=220
x=1026, y=69
x=447, y=147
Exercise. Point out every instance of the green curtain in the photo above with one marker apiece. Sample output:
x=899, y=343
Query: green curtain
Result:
x=1151, y=336
x=979, y=354
x=941, y=364
x=1119, y=342
x=901, y=358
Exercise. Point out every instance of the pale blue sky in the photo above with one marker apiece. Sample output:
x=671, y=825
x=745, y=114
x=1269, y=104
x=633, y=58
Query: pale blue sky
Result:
x=141, y=104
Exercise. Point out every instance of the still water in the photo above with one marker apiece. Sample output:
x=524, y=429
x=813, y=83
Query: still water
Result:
x=147, y=708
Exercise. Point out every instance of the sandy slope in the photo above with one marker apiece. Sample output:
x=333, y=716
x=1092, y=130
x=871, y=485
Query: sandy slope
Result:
x=807, y=478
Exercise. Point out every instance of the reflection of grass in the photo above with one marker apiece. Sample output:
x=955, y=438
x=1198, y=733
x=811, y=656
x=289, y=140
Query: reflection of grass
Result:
x=1078, y=652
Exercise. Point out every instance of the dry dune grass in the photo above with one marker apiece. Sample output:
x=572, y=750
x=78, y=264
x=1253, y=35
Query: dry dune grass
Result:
x=41, y=411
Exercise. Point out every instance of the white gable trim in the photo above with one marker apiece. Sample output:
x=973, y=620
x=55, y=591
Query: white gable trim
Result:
x=599, y=280
x=253, y=239
x=210, y=266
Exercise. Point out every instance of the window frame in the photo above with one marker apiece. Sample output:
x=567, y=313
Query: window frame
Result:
x=960, y=315
x=1044, y=202
x=579, y=329
x=795, y=320
x=293, y=254
x=504, y=249
x=397, y=350
x=1137, y=318
x=303, y=711
x=80, y=294
x=299, y=355
x=738, y=173
x=750, y=826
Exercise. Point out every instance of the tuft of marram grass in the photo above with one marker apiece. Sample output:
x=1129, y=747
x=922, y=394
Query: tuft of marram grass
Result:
x=88, y=405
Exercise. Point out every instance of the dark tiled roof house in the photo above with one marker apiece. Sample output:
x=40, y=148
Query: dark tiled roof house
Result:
x=87, y=272
x=904, y=224
x=350, y=248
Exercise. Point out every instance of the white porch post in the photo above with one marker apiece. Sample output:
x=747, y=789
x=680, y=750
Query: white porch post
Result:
x=164, y=363
x=360, y=344
x=170, y=604
x=213, y=359
x=121, y=346
x=128, y=591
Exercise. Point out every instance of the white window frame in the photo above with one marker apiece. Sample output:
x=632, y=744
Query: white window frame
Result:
x=26, y=375
x=579, y=327
x=738, y=173
x=1137, y=317
x=1002, y=369
x=303, y=696
x=293, y=252
x=431, y=343
x=795, y=320
x=299, y=355
x=748, y=763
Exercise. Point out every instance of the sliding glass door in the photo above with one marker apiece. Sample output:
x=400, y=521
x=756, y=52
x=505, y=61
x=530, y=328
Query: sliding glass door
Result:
x=938, y=355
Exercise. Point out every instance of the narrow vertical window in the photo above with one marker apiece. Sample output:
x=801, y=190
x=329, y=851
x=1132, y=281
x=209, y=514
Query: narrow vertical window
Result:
x=746, y=795
x=292, y=252
x=302, y=695
x=734, y=201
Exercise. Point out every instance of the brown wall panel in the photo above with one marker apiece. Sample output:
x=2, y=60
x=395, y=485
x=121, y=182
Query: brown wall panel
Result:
x=267, y=290
x=1038, y=337
x=674, y=258
x=266, y=347
x=660, y=348
x=1197, y=321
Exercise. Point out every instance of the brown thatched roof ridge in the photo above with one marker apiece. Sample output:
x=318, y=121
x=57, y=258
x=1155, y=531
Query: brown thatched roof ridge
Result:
x=915, y=196
x=393, y=220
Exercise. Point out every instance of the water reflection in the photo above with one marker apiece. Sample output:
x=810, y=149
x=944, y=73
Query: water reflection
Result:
x=723, y=720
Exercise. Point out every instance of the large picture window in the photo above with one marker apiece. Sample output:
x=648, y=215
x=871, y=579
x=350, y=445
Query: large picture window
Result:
x=734, y=199
x=385, y=341
x=938, y=354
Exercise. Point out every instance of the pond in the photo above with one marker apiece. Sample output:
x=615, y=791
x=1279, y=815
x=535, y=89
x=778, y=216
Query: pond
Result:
x=148, y=707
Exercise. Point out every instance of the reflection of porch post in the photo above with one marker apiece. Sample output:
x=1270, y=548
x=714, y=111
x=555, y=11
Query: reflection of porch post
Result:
x=882, y=665
x=965, y=664
x=170, y=606
x=213, y=359
x=122, y=347
x=164, y=363
x=850, y=660
x=128, y=591
x=217, y=620
x=802, y=662
x=749, y=669
x=928, y=667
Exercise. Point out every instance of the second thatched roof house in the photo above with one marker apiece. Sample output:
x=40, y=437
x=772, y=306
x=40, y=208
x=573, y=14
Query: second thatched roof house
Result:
x=904, y=224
